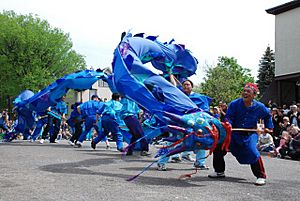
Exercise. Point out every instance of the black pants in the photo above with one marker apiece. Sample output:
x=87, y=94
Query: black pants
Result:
x=77, y=133
x=56, y=123
x=47, y=127
x=137, y=132
x=219, y=163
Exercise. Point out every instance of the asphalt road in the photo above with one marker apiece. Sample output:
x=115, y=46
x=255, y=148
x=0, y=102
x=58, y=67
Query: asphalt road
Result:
x=33, y=171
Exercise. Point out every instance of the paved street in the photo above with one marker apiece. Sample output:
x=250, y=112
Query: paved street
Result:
x=33, y=171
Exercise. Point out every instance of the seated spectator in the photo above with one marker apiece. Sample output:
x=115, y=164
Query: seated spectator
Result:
x=294, y=115
x=288, y=136
x=294, y=148
x=265, y=142
x=284, y=126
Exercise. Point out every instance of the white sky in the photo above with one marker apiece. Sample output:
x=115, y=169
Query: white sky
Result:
x=234, y=28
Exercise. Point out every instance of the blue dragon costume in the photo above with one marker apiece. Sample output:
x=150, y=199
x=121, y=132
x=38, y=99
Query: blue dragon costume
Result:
x=151, y=91
x=27, y=104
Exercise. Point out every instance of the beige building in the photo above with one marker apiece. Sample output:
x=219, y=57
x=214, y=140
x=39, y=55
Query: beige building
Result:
x=286, y=86
x=100, y=88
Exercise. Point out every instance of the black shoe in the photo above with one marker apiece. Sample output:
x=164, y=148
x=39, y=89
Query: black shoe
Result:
x=78, y=145
x=129, y=153
x=93, y=144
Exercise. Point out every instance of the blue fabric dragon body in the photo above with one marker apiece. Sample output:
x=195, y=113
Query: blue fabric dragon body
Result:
x=27, y=104
x=180, y=115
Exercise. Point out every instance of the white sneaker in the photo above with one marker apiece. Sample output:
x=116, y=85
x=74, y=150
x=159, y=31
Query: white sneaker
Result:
x=217, y=175
x=161, y=167
x=188, y=158
x=31, y=140
x=260, y=182
x=176, y=160
x=71, y=143
x=42, y=141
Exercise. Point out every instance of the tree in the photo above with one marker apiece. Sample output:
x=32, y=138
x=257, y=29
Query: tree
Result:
x=266, y=71
x=225, y=81
x=32, y=54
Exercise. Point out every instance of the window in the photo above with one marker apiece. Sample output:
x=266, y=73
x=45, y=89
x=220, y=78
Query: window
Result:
x=101, y=83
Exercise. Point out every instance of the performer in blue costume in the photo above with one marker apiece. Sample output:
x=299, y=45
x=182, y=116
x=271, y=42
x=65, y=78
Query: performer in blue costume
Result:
x=43, y=119
x=25, y=119
x=129, y=113
x=111, y=122
x=90, y=111
x=60, y=111
x=202, y=102
x=244, y=114
x=75, y=122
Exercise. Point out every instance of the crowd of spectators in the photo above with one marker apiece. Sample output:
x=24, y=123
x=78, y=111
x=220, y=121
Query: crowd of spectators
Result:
x=286, y=132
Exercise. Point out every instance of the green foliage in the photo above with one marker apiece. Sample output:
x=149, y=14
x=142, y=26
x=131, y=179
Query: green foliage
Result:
x=266, y=71
x=225, y=81
x=32, y=54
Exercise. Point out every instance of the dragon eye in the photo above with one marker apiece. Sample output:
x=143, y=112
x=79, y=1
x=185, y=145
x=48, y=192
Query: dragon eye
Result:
x=200, y=120
x=190, y=122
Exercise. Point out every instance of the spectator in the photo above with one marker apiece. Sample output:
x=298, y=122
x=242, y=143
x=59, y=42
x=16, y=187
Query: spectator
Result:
x=285, y=109
x=294, y=115
x=216, y=113
x=223, y=109
x=265, y=142
x=284, y=126
x=287, y=138
x=277, y=120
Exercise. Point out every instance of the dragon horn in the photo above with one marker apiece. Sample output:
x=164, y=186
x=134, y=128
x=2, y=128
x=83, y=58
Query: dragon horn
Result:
x=173, y=117
x=176, y=151
x=177, y=128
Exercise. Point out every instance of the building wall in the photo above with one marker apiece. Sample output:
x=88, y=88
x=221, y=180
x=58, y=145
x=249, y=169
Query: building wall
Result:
x=287, y=40
x=100, y=88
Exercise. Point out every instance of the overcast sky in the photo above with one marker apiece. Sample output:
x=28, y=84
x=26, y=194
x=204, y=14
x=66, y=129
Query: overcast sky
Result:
x=234, y=28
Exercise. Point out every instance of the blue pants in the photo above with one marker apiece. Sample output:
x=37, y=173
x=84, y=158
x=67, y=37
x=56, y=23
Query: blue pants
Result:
x=110, y=125
x=200, y=157
x=89, y=122
x=38, y=128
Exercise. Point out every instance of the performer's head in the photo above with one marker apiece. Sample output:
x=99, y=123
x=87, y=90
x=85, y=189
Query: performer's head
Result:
x=116, y=96
x=63, y=98
x=95, y=98
x=187, y=86
x=250, y=91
